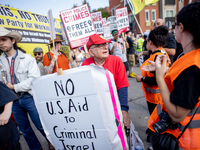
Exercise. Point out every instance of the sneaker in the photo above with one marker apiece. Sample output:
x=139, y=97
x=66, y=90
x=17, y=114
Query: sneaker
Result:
x=132, y=75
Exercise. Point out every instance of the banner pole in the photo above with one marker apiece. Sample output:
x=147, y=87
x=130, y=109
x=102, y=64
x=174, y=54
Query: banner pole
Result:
x=124, y=43
x=131, y=7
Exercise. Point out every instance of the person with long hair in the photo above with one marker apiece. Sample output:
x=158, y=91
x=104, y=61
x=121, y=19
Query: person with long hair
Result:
x=180, y=86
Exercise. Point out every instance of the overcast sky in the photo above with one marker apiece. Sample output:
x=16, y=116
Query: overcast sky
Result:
x=42, y=6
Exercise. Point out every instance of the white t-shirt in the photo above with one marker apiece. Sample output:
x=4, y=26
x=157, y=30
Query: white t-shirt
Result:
x=119, y=49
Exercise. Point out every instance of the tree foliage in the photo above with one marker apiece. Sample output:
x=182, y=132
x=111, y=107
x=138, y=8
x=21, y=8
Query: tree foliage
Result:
x=105, y=14
x=75, y=5
x=85, y=2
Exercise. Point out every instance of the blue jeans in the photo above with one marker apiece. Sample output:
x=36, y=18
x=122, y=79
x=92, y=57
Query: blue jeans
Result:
x=21, y=108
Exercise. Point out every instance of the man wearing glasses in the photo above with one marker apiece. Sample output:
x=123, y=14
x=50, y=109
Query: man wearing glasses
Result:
x=98, y=50
x=170, y=48
x=38, y=53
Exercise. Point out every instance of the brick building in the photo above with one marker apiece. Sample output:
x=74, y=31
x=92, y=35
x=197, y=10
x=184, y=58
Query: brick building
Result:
x=145, y=18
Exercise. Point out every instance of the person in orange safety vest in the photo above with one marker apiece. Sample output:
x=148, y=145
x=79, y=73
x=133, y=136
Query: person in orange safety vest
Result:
x=155, y=43
x=180, y=85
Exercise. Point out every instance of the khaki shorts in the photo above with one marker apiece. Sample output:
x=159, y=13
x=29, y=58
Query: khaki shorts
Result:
x=131, y=60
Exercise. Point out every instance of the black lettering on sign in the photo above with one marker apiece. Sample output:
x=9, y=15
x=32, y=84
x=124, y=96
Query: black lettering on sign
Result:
x=84, y=107
x=72, y=87
x=70, y=119
x=69, y=87
x=59, y=86
x=77, y=147
x=15, y=23
x=89, y=30
x=24, y=15
x=75, y=134
x=60, y=112
x=2, y=22
x=5, y=11
x=48, y=108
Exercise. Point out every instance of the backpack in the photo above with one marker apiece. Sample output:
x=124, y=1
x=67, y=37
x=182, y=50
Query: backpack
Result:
x=49, y=56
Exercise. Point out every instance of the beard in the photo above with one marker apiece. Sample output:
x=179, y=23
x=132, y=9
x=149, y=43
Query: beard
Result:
x=6, y=49
x=39, y=59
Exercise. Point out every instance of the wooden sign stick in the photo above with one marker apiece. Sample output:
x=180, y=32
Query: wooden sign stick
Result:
x=124, y=43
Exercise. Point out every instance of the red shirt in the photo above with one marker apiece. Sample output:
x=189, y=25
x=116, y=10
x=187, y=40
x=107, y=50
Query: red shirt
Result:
x=115, y=65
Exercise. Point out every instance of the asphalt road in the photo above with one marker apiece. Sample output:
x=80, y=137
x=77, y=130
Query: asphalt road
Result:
x=138, y=112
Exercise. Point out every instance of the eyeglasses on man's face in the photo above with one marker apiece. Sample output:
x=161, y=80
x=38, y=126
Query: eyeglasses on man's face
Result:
x=37, y=54
x=100, y=45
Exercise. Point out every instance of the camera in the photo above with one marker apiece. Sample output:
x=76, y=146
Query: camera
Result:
x=164, y=123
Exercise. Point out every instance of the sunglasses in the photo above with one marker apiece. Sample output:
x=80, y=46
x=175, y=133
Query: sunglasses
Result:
x=37, y=54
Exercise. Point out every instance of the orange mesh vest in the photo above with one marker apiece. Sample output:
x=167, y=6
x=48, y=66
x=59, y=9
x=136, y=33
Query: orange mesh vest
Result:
x=190, y=140
x=151, y=92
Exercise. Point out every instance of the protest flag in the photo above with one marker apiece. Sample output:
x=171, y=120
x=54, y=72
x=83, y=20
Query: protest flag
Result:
x=140, y=4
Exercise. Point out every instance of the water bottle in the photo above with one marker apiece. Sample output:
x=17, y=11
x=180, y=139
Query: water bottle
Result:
x=138, y=146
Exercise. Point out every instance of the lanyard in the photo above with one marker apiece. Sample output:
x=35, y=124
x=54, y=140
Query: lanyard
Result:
x=12, y=70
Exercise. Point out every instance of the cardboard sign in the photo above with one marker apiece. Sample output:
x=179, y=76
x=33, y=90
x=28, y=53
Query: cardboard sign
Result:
x=97, y=20
x=122, y=20
x=78, y=25
x=111, y=21
x=51, y=25
x=78, y=109
x=106, y=29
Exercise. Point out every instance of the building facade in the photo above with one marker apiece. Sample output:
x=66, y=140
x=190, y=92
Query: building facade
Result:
x=145, y=18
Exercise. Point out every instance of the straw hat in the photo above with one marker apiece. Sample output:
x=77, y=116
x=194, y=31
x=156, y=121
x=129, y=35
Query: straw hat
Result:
x=57, y=39
x=14, y=34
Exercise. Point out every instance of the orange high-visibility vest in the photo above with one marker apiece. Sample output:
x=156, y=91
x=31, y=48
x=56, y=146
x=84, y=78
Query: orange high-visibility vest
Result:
x=151, y=92
x=190, y=140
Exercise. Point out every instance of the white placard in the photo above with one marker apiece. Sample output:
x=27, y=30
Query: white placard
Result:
x=104, y=22
x=51, y=25
x=122, y=20
x=78, y=25
x=97, y=20
x=76, y=109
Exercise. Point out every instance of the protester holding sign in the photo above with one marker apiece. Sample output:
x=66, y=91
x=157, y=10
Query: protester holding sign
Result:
x=21, y=69
x=98, y=49
x=117, y=48
x=54, y=55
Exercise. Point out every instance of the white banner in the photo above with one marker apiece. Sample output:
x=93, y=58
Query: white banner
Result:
x=78, y=25
x=97, y=20
x=122, y=20
x=77, y=111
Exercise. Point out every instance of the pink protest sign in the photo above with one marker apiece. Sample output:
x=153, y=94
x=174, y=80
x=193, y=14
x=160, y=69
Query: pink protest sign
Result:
x=97, y=20
x=122, y=20
x=78, y=25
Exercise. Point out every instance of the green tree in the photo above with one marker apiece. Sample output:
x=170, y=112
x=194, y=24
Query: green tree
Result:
x=85, y=2
x=105, y=14
x=75, y=5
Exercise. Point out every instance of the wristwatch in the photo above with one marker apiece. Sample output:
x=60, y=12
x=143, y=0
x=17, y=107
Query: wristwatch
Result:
x=142, y=79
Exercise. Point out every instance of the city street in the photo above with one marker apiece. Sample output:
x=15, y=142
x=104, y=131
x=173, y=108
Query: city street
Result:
x=138, y=112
